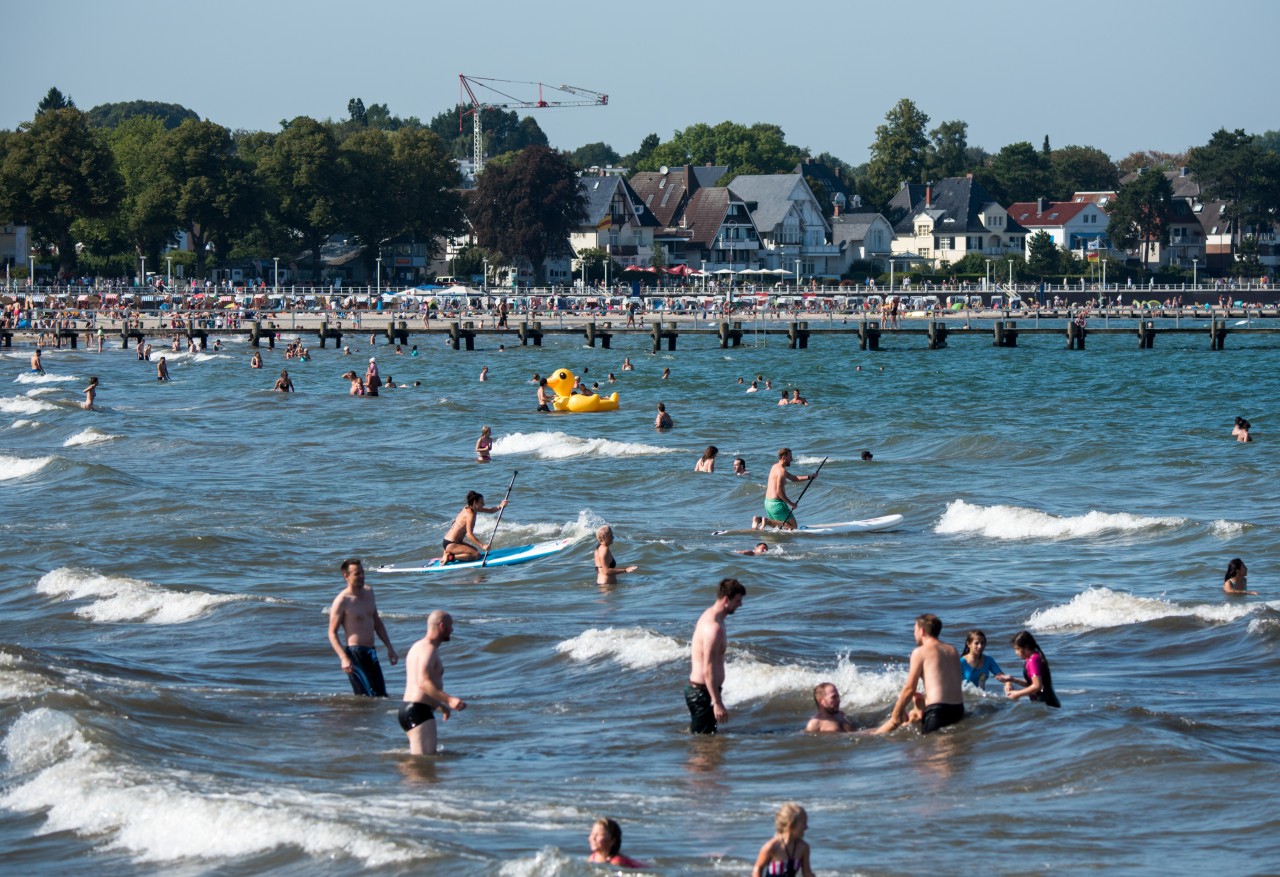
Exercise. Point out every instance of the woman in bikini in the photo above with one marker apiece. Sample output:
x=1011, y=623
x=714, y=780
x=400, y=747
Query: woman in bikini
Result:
x=484, y=445
x=707, y=462
x=455, y=544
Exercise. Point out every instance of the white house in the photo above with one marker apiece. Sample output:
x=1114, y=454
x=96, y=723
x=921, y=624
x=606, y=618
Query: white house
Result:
x=954, y=218
x=793, y=231
x=1073, y=225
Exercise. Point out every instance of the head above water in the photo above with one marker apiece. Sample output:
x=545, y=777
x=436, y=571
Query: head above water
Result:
x=612, y=832
x=1235, y=568
x=929, y=624
x=974, y=637
x=791, y=816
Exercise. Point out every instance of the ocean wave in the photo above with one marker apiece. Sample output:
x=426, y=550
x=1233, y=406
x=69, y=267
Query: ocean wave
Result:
x=1012, y=522
x=89, y=436
x=585, y=525
x=1102, y=607
x=17, y=682
x=118, y=598
x=23, y=423
x=632, y=647
x=46, y=378
x=159, y=816
x=548, y=862
x=1226, y=529
x=746, y=679
x=560, y=446
x=21, y=467
x=24, y=405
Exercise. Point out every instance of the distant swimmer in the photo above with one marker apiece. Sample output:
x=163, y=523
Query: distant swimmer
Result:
x=828, y=718
x=1241, y=430
x=455, y=544
x=256, y=361
x=626, y=364
x=607, y=568
x=976, y=666
x=797, y=399
x=1038, y=684
x=355, y=612
x=90, y=393
x=739, y=466
x=1237, y=578
x=484, y=445
x=36, y=365
x=784, y=399
x=484, y=373
x=217, y=344
x=162, y=370
x=707, y=462
x=760, y=548
x=666, y=373
x=544, y=396
x=754, y=388
x=663, y=420
x=424, y=686
x=867, y=456
x=706, y=676
x=786, y=854
x=937, y=665
x=284, y=383
x=605, y=841
x=777, y=507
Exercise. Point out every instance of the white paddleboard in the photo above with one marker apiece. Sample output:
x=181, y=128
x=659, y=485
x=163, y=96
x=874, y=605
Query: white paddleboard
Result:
x=500, y=557
x=869, y=525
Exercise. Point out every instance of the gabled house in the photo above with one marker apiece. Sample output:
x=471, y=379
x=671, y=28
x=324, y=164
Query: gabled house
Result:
x=794, y=235
x=1075, y=226
x=954, y=218
x=617, y=221
x=862, y=237
x=719, y=232
x=667, y=194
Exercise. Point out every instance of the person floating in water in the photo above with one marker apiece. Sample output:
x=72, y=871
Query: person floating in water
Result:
x=1241, y=430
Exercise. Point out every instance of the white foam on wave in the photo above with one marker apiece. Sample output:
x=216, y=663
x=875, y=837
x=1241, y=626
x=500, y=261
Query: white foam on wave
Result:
x=24, y=405
x=206, y=357
x=1226, y=529
x=166, y=816
x=23, y=423
x=561, y=446
x=1012, y=522
x=632, y=647
x=119, y=598
x=89, y=436
x=512, y=533
x=1102, y=607
x=548, y=862
x=46, y=378
x=17, y=682
x=748, y=679
x=21, y=467
x=41, y=391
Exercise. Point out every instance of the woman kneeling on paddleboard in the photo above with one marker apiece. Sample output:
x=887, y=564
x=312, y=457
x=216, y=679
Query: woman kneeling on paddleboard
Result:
x=455, y=544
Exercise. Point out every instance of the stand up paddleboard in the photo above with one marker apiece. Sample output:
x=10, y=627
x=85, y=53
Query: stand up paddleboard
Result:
x=500, y=557
x=869, y=525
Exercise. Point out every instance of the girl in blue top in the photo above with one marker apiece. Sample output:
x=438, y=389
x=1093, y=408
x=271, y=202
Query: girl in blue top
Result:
x=975, y=664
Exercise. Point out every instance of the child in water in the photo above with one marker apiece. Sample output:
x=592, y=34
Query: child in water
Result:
x=606, y=845
x=484, y=445
x=1237, y=578
x=785, y=854
x=975, y=664
x=1038, y=684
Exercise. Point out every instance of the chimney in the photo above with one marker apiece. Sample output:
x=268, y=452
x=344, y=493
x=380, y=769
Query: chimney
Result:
x=1182, y=171
x=1042, y=204
x=928, y=195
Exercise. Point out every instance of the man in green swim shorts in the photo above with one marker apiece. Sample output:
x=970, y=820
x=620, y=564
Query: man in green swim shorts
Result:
x=777, y=507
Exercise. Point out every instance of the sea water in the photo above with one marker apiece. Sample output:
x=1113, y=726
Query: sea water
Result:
x=169, y=702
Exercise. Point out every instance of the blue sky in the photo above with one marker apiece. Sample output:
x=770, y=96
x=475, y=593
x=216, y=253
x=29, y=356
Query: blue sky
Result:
x=1121, y=76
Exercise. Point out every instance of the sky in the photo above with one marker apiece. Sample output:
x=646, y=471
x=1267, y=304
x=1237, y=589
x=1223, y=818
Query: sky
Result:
x=1124, y=76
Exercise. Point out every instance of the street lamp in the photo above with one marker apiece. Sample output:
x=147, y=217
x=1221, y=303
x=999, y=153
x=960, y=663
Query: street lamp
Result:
x=1195, y=264
x=797, y=275
x=379, y=276
x=142, y=279
x=485, y=283
x=276, y=281
x=31, y=278
x=169, y=282
x=987, y=285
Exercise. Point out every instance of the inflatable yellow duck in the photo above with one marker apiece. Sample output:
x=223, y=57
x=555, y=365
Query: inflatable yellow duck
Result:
x=562, y=381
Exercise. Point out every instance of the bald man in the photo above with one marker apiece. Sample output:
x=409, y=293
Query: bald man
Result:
x=424, y=686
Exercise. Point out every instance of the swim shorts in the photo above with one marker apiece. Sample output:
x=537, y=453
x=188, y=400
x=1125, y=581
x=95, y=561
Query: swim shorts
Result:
x=702, y=715
x=366, y=672
x=413, y=714
x=777, y=510
x=939, y=715
x=545, y=408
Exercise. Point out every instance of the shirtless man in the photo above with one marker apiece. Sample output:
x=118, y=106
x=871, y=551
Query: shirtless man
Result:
x=545, y=396
x=760, y=548
x=162, y=370
x=938, y=666
x=455, y=544
x=706, y=676
x=424, y=686
x=356, y=612
x=829, y=718
x=777, y=507
x=606, y=567
x=36, y=365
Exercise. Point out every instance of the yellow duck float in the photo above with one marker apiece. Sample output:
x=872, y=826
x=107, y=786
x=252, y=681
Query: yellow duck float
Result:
x=562, y=381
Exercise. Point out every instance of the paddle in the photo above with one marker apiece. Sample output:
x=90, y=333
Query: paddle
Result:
x=810, y=481
x=485, y=560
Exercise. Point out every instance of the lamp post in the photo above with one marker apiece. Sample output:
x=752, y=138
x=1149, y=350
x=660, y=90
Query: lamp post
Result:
x=169, y=275
x=797, y=275
x=275, y=282
x=485, y=283
x=890, y=275
x=379, y=273
x=142, y=278
x=1195, y=265
x=31, y=278
x=987, y=283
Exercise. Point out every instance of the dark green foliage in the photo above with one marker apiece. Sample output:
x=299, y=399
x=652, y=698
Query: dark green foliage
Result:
x=111, y=115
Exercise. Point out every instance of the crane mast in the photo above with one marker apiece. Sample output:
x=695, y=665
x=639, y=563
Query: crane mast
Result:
x=507, y=101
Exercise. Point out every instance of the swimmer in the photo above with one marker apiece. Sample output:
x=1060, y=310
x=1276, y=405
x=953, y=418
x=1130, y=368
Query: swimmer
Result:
x=626, y=364
x=217, y=344
x=707, y=462
x=739, y=466
x=706, y=674
x=937, y=665
x=355, y=612
x=90, y=393
x=162, y=370
x=975, y=664
x=256, y=361
x=785, y=854
x=754, y=388
x=424, y=686
x=1038, y=684
x=484, y=445
x=605, y=841
x=829, y=718
x=612, y=379
x=455, y=544
x=36, y=365
x=867, y=456
x=760, y=548
x=797, y=399
x=284, y=384
x=484, y=373
x=784, y=399
x=1237, y=578
x=544, y=396
x=607, y=568
x=1241, y=430
x=414, y=350
x=663, y=420
x=357, y=385
x=666, y=373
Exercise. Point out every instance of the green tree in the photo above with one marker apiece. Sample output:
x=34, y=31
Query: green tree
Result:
x=1043, y=255
x=641, y=155
x=111, y=115
x=758, y=149
x=1017, y=173
x=300, y=173
x=55, y=170
x=946, y=155
x=1142, y=213
x=144, y=222
x=1233, y=168
x=54, y=100
x=503, y=131
x=594, y=155
x=1082, y=169
x=898, y=153
x=1150, y=159
x=356, y=113
x=527, y=208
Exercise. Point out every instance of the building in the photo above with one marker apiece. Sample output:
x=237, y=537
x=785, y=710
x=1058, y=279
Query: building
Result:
x=1075, y=226
x=862, y=237
x=793, y=233
x=617, y=222
x=951, y=219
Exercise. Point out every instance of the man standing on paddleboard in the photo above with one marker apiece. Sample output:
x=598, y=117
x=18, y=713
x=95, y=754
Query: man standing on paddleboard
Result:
x=356, y=612
x=777, y=508
x=706, y=677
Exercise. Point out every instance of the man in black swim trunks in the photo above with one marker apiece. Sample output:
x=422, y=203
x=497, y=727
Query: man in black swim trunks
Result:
x=706, y=676
x=356, y=612
x=938, y=666
x=423, y=691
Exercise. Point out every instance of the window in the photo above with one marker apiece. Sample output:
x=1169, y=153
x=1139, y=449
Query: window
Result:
x=973, y=243
x=946, y=243
x=997, y=222
x=876, y=239
x=923, y=252
x=922, y=230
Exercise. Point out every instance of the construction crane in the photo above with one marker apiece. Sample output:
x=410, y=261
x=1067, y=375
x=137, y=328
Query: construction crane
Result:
x=505, y=101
